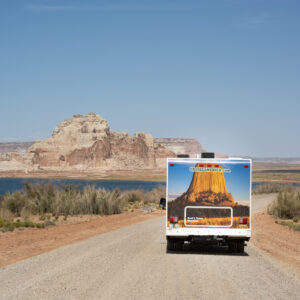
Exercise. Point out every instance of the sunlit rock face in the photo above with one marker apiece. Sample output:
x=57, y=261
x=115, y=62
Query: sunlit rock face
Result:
x=86, y=142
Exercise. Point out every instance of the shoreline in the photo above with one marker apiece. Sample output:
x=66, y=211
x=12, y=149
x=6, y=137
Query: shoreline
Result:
x=118, y=178
x=130, y=176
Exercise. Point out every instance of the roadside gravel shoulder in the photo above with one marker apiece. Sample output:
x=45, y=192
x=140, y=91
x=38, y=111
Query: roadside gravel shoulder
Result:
x=19, y=245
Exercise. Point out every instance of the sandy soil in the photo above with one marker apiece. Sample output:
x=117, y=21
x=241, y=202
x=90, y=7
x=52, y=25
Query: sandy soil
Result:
x=275, y=239
x=18, y=245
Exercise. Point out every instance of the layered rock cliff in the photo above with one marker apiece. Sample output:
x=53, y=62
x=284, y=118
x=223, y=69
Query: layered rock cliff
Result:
x=86, y=142
x=181, y=145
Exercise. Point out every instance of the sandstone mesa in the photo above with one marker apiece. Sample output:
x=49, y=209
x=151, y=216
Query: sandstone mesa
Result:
x=87, y=143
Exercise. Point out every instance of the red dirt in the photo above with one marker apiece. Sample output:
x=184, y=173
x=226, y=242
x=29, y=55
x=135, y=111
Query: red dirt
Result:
x=277, y=240
x=18, y=245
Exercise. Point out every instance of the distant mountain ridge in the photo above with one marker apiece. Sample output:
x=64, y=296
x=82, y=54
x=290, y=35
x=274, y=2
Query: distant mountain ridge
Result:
x=20, y=147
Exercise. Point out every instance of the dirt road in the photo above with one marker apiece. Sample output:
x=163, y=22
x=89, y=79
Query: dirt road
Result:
x=132, y=263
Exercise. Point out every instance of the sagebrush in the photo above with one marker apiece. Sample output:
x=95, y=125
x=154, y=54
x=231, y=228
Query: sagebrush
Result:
x=267, y=188
x=46, y=198
x=287, y=204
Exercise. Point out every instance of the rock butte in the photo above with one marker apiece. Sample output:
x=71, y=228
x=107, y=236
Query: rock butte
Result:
x=86, y=142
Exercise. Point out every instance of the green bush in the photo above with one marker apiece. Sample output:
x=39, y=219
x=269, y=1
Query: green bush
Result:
x=49, y=223
x=286, y=205
x=7, y=228
x=15, y=202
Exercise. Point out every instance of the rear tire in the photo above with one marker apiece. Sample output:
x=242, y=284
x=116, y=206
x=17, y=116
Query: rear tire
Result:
x=231, y=247
x=241, y=247
x=236, y=247
x=174, y=245
x=170, y=245
x=178, y=245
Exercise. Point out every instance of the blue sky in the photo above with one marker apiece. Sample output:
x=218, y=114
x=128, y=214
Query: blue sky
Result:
x=224, y=72
x=237, y=181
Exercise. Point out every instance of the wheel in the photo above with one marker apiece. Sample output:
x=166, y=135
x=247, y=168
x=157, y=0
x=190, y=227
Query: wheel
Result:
x=170, y=244
x=240, y=247
x=232, y=247
x=178, y=245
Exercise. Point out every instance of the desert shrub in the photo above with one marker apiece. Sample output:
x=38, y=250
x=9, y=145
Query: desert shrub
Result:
x=40, y=197
x=8, y=228
x=133, y=196
x=49, y=223
x=267, y=188
x=6, y=214
x=40, y=225
x=14, y=202
x=46, y=199
x=154, y=195
x=286, y=205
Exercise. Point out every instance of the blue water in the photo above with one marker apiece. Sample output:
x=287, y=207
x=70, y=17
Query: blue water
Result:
x=14, y=184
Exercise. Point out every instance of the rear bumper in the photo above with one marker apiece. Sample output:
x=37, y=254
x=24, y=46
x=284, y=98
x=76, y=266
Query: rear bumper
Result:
x=225, y=232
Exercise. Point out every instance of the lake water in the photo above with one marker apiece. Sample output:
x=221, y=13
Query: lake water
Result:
x=14, y=184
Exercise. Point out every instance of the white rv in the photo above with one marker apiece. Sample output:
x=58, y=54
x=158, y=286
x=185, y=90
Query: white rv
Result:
x=208, y=201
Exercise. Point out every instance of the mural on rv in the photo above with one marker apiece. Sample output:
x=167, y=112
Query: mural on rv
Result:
x=221, y=191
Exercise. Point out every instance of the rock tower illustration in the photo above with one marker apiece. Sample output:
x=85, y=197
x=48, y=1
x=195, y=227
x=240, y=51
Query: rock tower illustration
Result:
x=208, y=183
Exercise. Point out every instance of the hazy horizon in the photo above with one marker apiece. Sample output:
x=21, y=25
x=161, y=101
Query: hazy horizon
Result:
x=226, y=73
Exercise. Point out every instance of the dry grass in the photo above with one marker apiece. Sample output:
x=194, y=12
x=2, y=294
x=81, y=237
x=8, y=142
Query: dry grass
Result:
x=42, y=199
x=272, y=188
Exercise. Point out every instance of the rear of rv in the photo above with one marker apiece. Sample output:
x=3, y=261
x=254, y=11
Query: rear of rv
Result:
x=208, y=201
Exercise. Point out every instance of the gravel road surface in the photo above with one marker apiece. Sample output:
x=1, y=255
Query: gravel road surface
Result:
x=132, y=263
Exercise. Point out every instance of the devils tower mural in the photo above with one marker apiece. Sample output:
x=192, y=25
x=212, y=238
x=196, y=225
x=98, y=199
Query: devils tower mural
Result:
x=208, y=197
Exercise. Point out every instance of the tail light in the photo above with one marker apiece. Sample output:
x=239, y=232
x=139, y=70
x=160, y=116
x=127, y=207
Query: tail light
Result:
x=243, y=221
x=173, y=219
